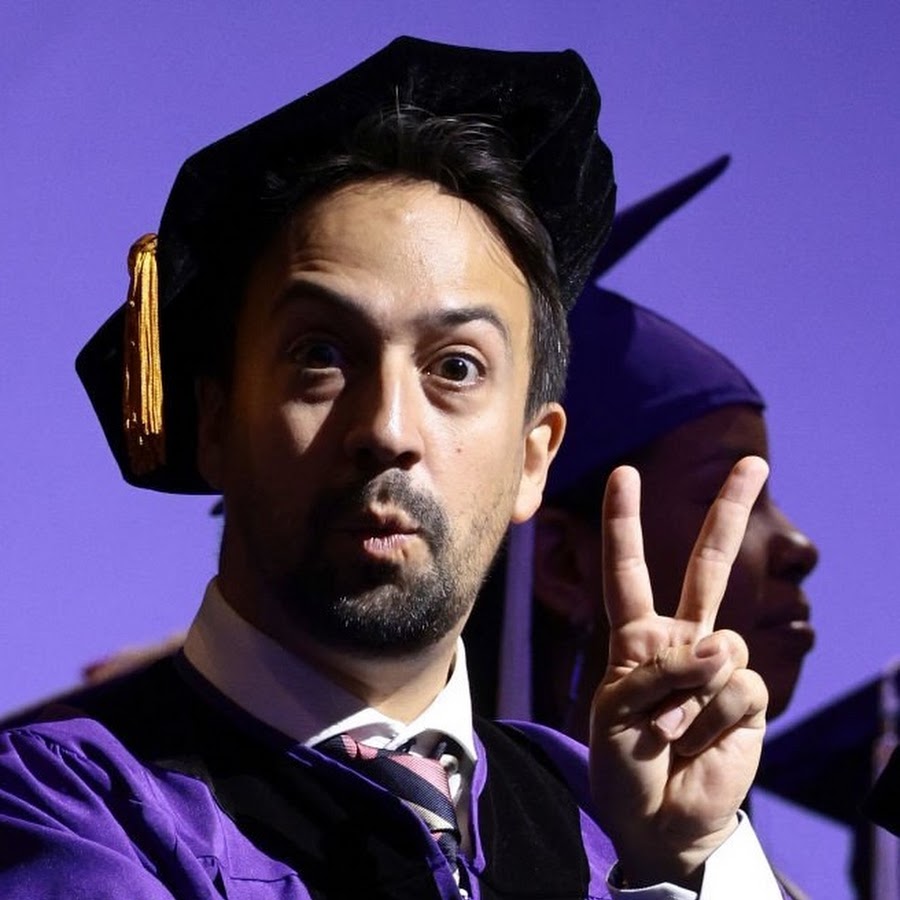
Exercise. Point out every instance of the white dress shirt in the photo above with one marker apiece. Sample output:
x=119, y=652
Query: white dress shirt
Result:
x=281, y=690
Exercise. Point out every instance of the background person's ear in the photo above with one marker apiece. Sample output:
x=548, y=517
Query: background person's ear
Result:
x=567, y=567
x=542, y=439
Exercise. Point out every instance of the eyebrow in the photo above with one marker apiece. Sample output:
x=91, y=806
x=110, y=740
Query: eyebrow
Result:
x=302, y=289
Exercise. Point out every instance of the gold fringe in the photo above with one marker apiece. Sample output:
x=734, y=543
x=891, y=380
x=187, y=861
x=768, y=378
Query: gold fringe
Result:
x=142, y=399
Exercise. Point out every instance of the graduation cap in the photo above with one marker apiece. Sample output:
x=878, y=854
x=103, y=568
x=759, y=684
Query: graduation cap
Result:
x=828, y=761
x=635, y=375
x=220, y=214
x=825, y=762
x=882, y=805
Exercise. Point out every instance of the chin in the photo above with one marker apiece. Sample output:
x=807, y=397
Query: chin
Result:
x=780, y=694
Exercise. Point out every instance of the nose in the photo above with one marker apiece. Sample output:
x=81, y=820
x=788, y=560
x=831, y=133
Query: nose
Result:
x=386, y=417
x=792, y=555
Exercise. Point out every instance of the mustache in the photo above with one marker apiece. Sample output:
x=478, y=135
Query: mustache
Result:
x=393, y=489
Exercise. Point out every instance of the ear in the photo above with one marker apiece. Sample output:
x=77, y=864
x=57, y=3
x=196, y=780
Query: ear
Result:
x=542, y=439
x=209, y=395
x=566, y=552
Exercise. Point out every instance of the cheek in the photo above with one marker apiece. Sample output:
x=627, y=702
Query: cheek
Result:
x=668, y=542
x=475, y=470
x=271, y=441
x=745, y=596
x=478, y=448
x=740, y=607
x=751, y=566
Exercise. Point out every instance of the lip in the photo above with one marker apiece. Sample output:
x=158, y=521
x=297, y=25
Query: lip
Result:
x=378, y=534
x=792, y=639
x=792, y=610
x=378, y=522
x=790, y=623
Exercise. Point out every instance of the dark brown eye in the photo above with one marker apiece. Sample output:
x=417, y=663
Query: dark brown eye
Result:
x=317, y=355
x=458, y=369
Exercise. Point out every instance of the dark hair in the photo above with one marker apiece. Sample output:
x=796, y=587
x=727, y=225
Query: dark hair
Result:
x=470, y=159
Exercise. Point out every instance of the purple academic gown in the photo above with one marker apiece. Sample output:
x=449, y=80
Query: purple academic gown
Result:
x=164, y=790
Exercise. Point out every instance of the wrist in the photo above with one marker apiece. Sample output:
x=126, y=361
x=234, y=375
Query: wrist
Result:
x=644, y=862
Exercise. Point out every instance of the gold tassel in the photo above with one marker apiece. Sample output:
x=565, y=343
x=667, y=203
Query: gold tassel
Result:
x=142, y=400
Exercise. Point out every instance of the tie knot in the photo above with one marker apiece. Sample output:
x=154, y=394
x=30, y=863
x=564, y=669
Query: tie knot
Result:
x=420, y=782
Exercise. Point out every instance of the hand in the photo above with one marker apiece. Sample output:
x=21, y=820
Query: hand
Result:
x=678, y=719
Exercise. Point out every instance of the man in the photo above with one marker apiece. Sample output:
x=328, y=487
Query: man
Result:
x=362, y=338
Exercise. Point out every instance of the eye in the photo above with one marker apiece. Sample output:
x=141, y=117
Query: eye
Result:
x=458, y=369
x=317, y=355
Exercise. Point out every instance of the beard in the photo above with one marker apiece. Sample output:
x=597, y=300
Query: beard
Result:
x=380, y=608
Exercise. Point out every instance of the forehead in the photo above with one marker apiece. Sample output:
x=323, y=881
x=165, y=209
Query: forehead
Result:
x=395, y=247
x=719, y=437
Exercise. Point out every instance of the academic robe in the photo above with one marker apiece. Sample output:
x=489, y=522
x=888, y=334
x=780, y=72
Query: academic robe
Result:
x=155, y=786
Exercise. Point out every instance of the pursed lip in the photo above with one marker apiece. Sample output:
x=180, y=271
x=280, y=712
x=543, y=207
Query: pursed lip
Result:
x=382, y=535
x=795, y=613
x=788, y=626
x=378, y=523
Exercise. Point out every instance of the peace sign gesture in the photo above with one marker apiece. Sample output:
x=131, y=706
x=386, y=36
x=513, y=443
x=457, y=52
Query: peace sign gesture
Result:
x=678, y=720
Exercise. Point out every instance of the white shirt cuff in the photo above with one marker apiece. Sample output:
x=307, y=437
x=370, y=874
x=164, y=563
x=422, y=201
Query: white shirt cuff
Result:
x=738, y=870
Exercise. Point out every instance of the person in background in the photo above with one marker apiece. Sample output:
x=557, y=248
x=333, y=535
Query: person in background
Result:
x=644, y=392
x=361, y=342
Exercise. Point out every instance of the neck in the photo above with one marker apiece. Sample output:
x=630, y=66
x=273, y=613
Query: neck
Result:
x=400, y=685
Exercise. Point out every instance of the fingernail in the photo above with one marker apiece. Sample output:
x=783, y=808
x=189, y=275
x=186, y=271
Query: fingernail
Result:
x=670, y=721
x=706, y=649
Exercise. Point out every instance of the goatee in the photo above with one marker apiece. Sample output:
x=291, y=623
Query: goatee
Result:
x=377, y=608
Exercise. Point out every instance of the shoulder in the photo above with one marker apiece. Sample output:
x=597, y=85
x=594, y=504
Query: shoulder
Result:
x=71, y=783
x=96, y=744
x=74, y=769
x=75, y=743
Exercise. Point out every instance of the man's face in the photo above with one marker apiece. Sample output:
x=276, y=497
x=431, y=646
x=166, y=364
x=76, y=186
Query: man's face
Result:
x=371, y=445
x=681, y=475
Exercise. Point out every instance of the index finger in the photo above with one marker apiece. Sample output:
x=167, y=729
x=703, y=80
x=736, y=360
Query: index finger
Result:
x=626, y=581
x=719, y=541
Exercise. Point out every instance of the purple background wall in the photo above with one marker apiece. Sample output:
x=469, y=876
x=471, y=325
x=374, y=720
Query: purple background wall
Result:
x=789, y=264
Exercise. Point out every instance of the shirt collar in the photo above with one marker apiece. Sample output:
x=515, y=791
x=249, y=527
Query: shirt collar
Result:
x=288, y=694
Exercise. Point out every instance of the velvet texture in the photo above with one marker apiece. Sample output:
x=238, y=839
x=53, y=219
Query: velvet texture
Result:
x=216, y=219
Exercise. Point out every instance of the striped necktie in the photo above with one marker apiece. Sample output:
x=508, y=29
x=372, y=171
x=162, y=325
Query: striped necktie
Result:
x=420, y=782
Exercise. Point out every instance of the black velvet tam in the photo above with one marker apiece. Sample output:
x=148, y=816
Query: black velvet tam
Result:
x=217, y=218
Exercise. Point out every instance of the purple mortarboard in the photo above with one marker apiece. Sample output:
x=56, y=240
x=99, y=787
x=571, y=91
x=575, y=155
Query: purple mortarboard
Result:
x=635, y=375
x=882, y=805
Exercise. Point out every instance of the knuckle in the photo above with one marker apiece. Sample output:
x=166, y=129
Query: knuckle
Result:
x=747, y=690
x=663, y=659
x=736, y=646
x=711, y=553
x=626, y=562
